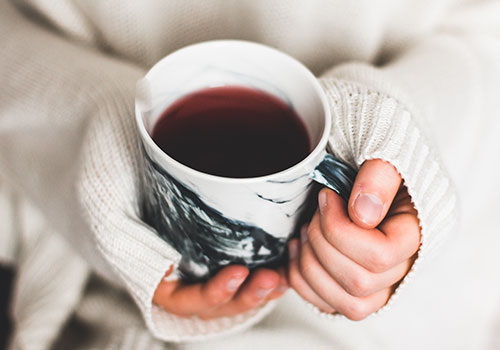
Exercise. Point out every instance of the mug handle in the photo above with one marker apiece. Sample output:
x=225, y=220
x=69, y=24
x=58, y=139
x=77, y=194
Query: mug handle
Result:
x=336, y=175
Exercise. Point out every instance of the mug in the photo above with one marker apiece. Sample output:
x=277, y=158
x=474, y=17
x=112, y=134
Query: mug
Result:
x=213, y=221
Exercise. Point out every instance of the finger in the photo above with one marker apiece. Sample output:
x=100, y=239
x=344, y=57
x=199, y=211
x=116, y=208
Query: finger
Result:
x=298, y=283
x=282, y=286
x=186, y=300
x=374, y=189
x=354, y=278
x=354, y=308
x=254, y=292
x=263, y=285
x=375, y=250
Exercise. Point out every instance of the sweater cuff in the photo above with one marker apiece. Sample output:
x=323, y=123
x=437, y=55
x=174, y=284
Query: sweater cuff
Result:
x=368, y=123
x=144, y=266
x=107, y=186
x=141, y=259
x=172, y=328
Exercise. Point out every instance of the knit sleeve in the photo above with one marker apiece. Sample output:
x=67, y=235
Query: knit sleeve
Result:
x=69, y=143
x=419, y=111
x=371, y=124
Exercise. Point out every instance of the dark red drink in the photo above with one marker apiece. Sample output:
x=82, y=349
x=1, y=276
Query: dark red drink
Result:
x=232, y=131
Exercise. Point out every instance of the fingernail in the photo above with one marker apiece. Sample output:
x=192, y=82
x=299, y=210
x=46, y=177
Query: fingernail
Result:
x=261, y=293
x=322, y=201
x=292, y=250
x=303, y=235
x=234, y=284
x=368, y=208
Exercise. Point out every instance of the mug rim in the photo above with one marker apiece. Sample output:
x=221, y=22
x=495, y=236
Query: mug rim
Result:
x=320, y=147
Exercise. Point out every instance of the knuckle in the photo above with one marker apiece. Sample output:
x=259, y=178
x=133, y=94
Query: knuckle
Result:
x=294, y=278
x=314, y=233
x=356, y=310
x=306, y=265
x=249, y=300
x=331, y=231
x=214, y=297
x=380, y=260
x=360, y=285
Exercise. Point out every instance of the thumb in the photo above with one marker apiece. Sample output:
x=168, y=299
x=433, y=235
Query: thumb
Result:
x=374, y=190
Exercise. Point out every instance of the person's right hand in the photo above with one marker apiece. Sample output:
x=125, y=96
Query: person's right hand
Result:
x=232, y=291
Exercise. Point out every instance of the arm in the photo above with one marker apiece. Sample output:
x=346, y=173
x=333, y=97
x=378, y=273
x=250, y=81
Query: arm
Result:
x=68, y=142
x=421, y=112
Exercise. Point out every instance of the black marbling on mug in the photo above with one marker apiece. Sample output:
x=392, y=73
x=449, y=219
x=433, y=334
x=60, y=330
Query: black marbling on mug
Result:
x=206, y=239
x=214, y=222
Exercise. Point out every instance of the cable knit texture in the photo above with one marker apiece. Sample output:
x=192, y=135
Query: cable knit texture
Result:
x=107, y=191
x=69, y=143
x=368, y=124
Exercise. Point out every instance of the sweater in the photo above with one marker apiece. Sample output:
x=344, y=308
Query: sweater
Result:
x=410, y=82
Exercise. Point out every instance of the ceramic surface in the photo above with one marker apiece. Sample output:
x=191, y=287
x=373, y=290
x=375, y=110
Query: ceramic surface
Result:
x=215, y=221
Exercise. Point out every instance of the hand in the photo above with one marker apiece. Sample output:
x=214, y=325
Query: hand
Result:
x=230, y=292
x=351, y=259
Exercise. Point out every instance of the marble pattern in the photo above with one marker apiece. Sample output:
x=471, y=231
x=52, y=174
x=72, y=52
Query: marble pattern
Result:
x=215, y=221
x=336, y=175
x=206, y=238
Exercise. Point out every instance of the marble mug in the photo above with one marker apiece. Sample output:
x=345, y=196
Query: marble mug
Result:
x=215, y=221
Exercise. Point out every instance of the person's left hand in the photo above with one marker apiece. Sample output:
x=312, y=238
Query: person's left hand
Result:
x=349, y=260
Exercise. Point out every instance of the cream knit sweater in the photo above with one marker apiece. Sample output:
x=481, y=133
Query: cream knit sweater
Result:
x=407, y=81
